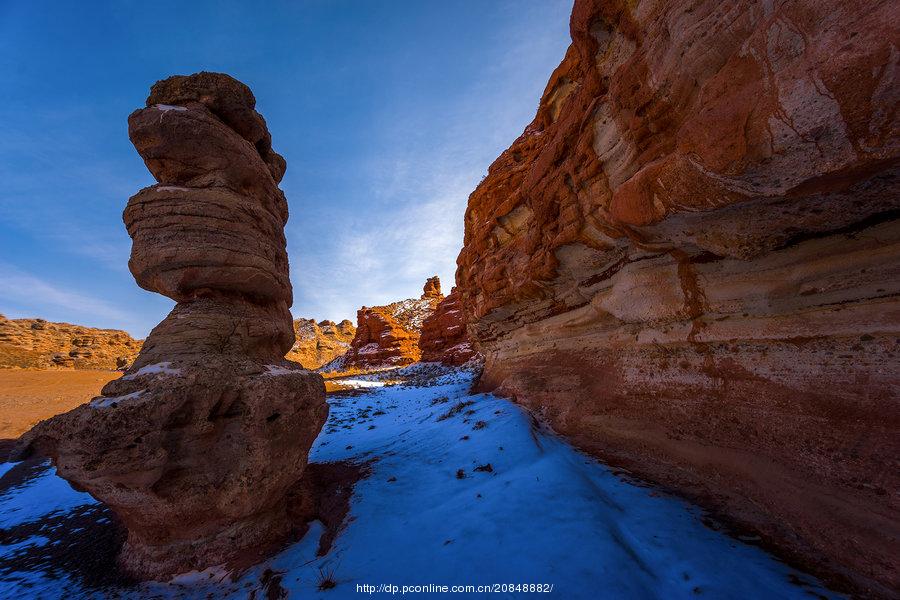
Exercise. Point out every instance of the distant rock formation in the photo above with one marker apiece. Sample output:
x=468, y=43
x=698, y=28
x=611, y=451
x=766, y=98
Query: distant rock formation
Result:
x=196, y=447
x=388, y=336
x=319, y=343
x=39, y=344
x=688, y=262
x=444, y=337
x=432, y=288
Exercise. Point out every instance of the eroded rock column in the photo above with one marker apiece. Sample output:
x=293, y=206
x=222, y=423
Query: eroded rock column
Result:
x=196, y=446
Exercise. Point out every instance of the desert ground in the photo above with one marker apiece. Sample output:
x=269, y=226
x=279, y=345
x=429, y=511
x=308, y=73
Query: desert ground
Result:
x=28, y=396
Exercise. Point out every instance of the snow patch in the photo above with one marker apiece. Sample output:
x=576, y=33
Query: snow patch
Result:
x=107, y=402
x=360, y=383
x=168, y=107
x=162, y=368
x=412, y=312
x=278, y=370
x=37, y=497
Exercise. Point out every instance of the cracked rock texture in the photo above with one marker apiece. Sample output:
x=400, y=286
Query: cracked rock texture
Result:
x=689, y=263
x=197, y=446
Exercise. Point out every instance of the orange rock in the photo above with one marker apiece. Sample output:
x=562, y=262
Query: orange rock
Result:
x=39, y=344
x=432, y=288
x=198, y=446
x=319, y=343
x=688, y=262
x=444, y=336
x=388, y=336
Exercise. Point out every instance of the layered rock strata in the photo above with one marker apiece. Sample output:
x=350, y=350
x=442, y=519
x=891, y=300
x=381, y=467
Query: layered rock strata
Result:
x=688, y=263
x=319, y=343
x=196, y=447
x=40, y=344
x=444, y=337
x=388, y=336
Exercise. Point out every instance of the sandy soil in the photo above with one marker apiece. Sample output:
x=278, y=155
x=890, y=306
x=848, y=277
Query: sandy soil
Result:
x=28, y=396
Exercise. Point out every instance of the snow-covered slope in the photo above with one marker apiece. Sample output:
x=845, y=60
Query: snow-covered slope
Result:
x=464, y=490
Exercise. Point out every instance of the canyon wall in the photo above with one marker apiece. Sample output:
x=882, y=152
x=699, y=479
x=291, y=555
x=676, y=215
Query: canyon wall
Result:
x=40, y=344
x=318, y=343
x=388, y=336
x=689, y=263
x=198, y=447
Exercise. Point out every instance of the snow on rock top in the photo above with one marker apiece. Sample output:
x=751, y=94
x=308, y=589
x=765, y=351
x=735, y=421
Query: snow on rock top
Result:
x=168, y=107
x=161, y=368
x=412, y=312
x=114, y=401
x=278, y=370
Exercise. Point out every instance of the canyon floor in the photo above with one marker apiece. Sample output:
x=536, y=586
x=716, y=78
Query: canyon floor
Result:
x=461, y=489
x=30, y=395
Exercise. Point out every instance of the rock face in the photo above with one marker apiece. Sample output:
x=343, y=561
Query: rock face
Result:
x=39, y=344
x=444, y=336
x=319, y=343
x=196, y=447
x=689, y=262
x=388, y=336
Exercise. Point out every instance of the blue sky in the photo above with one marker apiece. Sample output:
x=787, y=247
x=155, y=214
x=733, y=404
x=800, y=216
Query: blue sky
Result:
x=388, y=113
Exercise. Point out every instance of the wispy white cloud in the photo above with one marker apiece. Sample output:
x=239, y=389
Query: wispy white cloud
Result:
x=20, y=289
x=419, y=190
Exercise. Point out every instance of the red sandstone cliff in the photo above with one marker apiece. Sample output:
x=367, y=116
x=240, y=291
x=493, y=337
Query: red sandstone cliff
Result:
x=388, y=335
x=688, y=263
x=444, y=336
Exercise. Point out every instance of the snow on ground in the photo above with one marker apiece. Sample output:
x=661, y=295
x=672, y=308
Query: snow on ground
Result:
x=464, y=490
x=360, y=383
x=44, y=494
